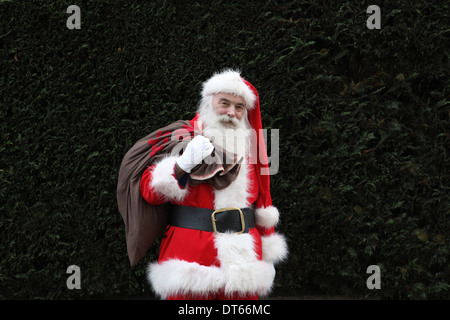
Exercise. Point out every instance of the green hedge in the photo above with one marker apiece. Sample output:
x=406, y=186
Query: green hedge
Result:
x=363, y=118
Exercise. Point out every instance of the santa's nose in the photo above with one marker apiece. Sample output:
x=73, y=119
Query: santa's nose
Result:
x=231, y=112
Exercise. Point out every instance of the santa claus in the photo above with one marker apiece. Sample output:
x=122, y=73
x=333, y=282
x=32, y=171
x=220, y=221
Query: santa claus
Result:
x=220, y=241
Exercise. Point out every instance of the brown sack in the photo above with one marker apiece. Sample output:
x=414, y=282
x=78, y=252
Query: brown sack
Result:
x=144, y=222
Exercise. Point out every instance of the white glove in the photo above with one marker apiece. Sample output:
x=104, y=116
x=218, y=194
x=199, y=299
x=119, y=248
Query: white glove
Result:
x=196, y=150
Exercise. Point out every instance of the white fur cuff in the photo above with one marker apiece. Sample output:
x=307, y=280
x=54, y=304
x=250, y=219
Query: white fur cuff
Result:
x=267, y=217
x=274, y=248
x=164, y=181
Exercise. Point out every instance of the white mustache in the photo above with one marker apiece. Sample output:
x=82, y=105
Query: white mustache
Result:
x=226, y=119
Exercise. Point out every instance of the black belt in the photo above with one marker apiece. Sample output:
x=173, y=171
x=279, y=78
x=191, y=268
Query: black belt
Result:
x=222, y=220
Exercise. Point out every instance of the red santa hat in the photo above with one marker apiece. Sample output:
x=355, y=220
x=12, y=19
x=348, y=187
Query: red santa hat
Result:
x=230, y=81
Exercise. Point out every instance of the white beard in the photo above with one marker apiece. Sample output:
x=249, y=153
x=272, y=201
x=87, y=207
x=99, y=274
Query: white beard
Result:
x=232, y=137
x=235, y=139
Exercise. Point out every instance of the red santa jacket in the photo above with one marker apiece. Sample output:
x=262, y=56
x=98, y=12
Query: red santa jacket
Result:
x=200, y=262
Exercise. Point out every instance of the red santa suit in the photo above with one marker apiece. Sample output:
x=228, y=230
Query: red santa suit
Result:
x=195, y=264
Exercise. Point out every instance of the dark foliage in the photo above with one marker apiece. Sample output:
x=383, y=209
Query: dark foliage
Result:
x=363, y=118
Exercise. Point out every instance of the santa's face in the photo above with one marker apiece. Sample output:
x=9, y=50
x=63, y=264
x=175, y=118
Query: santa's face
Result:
x=225, y=122
x=230, y=105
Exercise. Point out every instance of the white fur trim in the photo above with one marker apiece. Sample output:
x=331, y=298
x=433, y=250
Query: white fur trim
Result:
x=229, y=81
x=267, y=217
x=245, y=273
x=240, y=271
x=164, y=182
x=174, y=277
x=274, y=248
x=236, y=194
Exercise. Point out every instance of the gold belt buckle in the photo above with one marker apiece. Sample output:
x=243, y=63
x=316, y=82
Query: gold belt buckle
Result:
x=228, y=209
